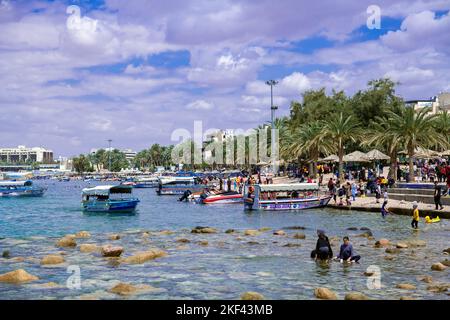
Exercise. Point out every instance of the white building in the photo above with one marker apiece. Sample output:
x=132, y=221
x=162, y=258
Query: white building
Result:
x=22, y=154
x=436, y=104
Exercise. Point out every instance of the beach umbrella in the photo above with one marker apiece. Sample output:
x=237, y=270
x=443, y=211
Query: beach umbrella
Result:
x=422, y=153
x=356, y=156
x=445, y=153
x=262, y=163
x=376, y=155
x=331, y=158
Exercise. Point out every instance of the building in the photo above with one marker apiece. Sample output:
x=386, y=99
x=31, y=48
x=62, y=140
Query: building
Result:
x=219, y=136
x=436, y=104
x=22, y=154
x=129, y=154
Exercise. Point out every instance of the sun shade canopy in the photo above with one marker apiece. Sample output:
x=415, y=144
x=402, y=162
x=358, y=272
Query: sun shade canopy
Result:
x=288, y=187
x=106, y=190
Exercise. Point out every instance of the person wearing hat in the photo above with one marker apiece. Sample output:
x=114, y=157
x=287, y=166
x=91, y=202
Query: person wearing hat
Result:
x=415, y=220
x=323, y=249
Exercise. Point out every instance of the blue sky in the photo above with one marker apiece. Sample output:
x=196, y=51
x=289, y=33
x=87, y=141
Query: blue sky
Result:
x=136, y=71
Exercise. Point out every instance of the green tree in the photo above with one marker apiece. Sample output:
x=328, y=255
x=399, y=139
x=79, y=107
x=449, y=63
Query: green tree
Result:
x=82, y=164
x=415, y=129
x=338, y=131
x=309, y=140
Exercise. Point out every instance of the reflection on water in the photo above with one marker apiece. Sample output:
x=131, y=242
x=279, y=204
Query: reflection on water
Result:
x=279, y=267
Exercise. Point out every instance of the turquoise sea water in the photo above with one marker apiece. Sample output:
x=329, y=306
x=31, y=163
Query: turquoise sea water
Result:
x=279, y=267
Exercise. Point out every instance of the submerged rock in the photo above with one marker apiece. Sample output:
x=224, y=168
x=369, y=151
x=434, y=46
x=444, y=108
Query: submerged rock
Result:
x=416, y=243
x=443, y=287
x=356, y=296
x=292, y=245
x=280, y=233
x=295, y=228
x=325, y=293
x=83, y=234
x=114, y=237
x=250, y=295
x=264, y=229
x=183, y=240
x=392, y=250
x=427, y=279
x=446, y=262
x=438, y=267
x=251, y=232
x=230, y=231
x=352, y=228
x=203, y=230
x=447, y=250
x=203, y=243
x=52, y=259
x=17, y=277
x=406, y=286
x=125, y=289
x=67, y=241
x=364, y=229
x=299, y=236
x=369, y=274
x=89, y=247
x=144, y=256
x=406, y=298
x=111, y=251
x=6, y=254
x=382, y=243
x=401, y=245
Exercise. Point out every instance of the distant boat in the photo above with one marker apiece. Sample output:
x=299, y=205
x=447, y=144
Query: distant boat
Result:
x=296, y=196
x=108, y=199
x=178, y=185
x=20, y=189
x=146, y=182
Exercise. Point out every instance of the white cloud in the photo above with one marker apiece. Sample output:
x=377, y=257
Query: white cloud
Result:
x=200, y=105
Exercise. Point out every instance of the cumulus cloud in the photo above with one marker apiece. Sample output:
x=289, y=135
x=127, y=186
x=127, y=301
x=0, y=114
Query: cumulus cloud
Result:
x=66, y=77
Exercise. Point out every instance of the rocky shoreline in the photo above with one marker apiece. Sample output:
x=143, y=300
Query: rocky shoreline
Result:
x=36, y=268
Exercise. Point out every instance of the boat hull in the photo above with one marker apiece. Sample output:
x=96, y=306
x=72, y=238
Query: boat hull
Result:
x=111, y=206
x=300, y=204
x=23, y=192
x=223, y=199
x=172, y=191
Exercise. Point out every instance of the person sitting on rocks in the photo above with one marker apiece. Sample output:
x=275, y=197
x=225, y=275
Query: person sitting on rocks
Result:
x=347, y=253
x=323, y=249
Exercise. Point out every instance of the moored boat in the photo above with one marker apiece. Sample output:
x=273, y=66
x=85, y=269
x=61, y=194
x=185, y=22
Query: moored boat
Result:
x=296, y=196
x=178, y=185
x=20, y=189
x=146, y=182
x=220, y=198
x=108, y=199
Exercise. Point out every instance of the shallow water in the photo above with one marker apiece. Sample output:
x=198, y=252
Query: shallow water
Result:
x=228, y=266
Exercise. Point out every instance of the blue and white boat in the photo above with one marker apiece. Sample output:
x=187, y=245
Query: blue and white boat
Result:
x=20, y=189
x=178, y=185
x=296, y=196
x=146, y=182
x=108, y=199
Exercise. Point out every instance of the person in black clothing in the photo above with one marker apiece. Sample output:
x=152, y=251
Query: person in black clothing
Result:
x=323, y=249
x=437, y=196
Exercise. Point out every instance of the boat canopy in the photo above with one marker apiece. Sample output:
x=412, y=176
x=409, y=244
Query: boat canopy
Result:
x=106, y=190
x=288, y=187
x=26, y=183
x=166, y=180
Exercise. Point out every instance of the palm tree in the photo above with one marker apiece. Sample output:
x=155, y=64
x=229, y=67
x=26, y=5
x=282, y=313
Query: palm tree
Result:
x=382, y=135
x=415, y=130
x=308, y=140
x=338, y=131
x=442, y=124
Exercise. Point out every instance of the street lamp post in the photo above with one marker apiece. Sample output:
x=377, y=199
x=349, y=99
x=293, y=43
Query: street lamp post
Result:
x=272, y=83
x=109, y=154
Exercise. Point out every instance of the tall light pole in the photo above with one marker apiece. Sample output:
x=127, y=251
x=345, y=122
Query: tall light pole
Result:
x=109, y=154
x=272, y=83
